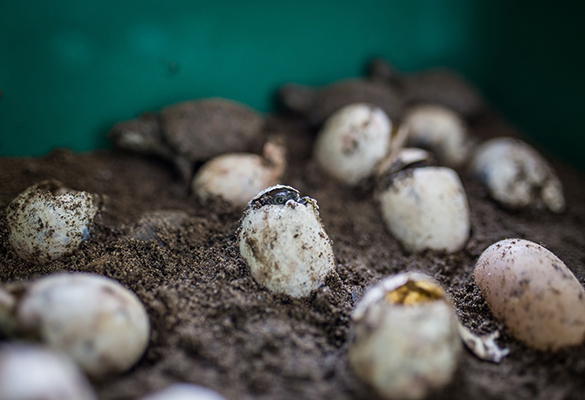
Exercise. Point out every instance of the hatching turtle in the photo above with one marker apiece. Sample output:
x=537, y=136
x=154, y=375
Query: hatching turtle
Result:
x=433, y=85
x=192, y=131
x=316, y=104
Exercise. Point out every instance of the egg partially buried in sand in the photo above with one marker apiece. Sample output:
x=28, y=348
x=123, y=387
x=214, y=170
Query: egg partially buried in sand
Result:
x=282, y=239
x=406, y=343
x=533, y=293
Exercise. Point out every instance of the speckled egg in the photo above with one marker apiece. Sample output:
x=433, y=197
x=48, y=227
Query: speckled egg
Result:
x=238, y=177
x=439, y=130
x=283, y=241
x=516, y=175
x=352, y=142
x=95, y=320
x=48, y=220
x=533, y=293
x=424, y=208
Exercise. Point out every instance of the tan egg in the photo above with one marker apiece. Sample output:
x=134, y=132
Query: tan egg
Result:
x=516, y=175
x=440, y=130
x=424, y=207
x=30, y=372
x=238, y=177
x=533, y=293
x=184, y=391
x=283, y=241
x=99, y=323
x=48, y=220
x=352, y=142
x=406, y=342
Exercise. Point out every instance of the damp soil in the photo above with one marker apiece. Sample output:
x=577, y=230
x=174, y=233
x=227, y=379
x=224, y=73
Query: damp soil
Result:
x=213, y=325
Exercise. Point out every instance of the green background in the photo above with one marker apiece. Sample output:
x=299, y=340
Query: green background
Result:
x=69, y=69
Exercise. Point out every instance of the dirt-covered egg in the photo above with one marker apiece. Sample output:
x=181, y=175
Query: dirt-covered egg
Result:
x=439, y=130
x=533, y=293
x=184, y=391
x=425, y=207
x=353, y=141
x=30, y=372
x=48, y=220
x=516, y=175
x=238, y=177
x=283, y=241
x=99, y=323
x=406, y=342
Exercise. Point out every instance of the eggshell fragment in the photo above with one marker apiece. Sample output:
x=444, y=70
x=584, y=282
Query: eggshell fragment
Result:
x=48, y=220
x=185, y=391
x=533, y=293
x=353, y=141
x=96, y=321
x=282, y=239
x=426, y=208
x=30, y=372
x=406, y=341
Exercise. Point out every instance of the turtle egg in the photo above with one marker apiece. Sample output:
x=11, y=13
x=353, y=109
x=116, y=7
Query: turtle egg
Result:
x=353, y=141
x=406, y=341
x=424, y=208
x=30, y=372
x=48, y=220
x=95, y=320
x=237, y=177
x=283, y=241
x=516, y=175
x=185, y=391
x=533, y=293
x=439, y=130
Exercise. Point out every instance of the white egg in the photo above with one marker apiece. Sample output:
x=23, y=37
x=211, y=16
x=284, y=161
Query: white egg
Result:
x=439, y=130
x=47, y=220
x=406, y=343
x=238, y=177
x=29, y=372
x=185, y=391
x=516, y=175
x=533, y=293
x=283, y=241
x=353, y=141
x=425, y=208
x=99, y=323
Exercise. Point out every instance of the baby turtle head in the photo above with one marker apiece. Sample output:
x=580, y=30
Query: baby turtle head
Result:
x=278, y=195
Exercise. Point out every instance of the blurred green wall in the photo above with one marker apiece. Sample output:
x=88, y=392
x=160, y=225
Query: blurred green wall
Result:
x=69, y=69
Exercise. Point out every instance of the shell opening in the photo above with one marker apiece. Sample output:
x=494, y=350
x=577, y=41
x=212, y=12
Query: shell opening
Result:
x=415, y=292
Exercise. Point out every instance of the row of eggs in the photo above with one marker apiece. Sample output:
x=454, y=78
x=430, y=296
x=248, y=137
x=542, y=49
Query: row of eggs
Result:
x=285, y=244
x=283, y=240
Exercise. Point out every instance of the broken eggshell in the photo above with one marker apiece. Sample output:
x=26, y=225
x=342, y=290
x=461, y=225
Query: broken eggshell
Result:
x=238, y=177
x=48, y=220
x=424, y=208
x=283, y=241
x=353, y=141
x=30, y=372
x=440, y=130
x=99, y=323
x=533, y=293
x=406, y=343
x=184, y=391
x=516, y=175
